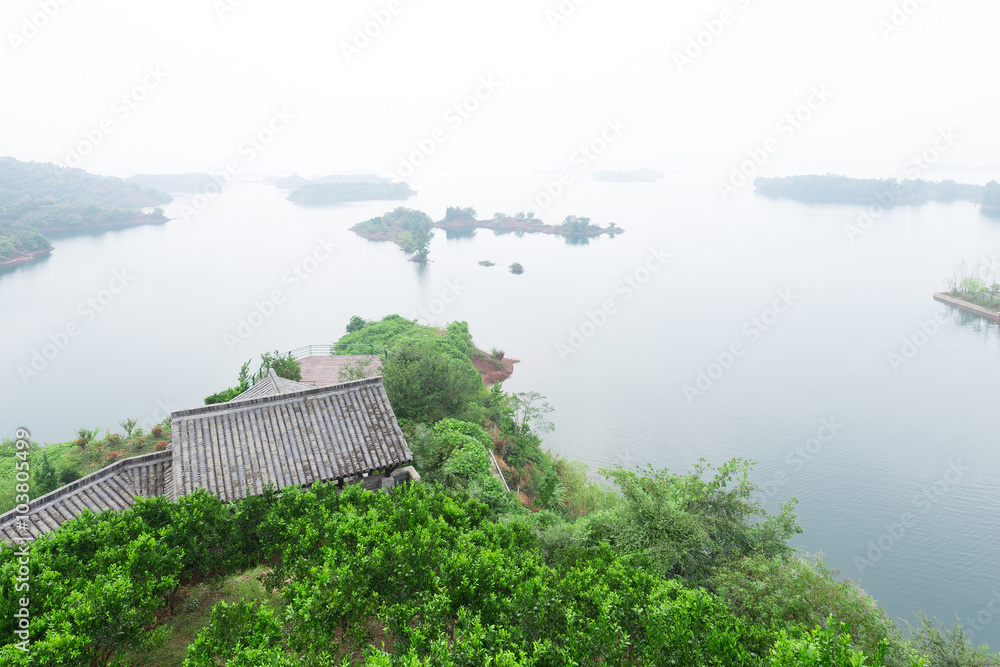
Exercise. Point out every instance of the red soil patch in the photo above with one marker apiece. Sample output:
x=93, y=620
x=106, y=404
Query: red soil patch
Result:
x=490, y=372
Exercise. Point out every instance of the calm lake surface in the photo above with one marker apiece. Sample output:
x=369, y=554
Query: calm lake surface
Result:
x=901, y=491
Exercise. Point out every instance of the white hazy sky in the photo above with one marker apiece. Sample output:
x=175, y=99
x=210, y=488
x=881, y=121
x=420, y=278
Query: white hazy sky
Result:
x=225, y=74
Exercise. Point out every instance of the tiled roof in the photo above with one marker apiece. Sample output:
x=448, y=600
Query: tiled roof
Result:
x=270, y=384
x=291, y=439
x=114, y=487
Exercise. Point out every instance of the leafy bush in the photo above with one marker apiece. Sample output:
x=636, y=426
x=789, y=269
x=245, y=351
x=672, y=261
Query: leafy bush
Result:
x=161, y=445
x=156, y=431
x=516, y=268
x=285, y=366
x=454, y=212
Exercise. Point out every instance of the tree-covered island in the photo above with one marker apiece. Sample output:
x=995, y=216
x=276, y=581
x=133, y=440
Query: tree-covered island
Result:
x=41, y=198
x=324, y=194
x=413, y=230
x=834, y=189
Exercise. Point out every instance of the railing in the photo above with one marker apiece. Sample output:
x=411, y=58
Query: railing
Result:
x=321, y=350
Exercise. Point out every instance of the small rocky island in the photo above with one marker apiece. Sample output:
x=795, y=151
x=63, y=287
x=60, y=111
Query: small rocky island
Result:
x=413, y=230
x=574, y=226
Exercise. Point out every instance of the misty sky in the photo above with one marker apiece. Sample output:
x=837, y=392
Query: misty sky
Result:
x=225, y=66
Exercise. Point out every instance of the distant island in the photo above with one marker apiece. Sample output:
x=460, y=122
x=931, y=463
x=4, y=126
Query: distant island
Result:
x=413, y=230
x=888, y=192
x=572, y=226
x=635, y=176
x=191, y=183
x=42, y=198
x=327, y=190
x=975, y=289
x=991, y=199
x=296, y=181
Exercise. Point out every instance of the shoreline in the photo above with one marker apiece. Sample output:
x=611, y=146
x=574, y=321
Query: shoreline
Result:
x=66, y=232
x=30, y=257
x=969, y=307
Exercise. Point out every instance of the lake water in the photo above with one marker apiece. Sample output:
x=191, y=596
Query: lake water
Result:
x=902, y=489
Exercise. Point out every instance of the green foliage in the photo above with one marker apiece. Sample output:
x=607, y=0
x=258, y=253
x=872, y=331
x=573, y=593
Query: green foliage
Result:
x=224, y=396
x=428, y=376
x=454, y=212
x=686, y=526
x=285, y=366
x=426, y=383
x=949, y=648
x=516, y=268
x=991, y=194
x=419, y=575
x=357, y=369
x=411, y=230
x=45, y=477
x=784, y=590
x=575, y=224
x=129, y=426
x=21, y=242
x=242, y=384
x=357, y=323
x=823, y=647
x=237, y=632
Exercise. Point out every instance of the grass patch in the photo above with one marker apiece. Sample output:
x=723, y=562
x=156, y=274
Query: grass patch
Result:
x=74, y=461
x=194, y=607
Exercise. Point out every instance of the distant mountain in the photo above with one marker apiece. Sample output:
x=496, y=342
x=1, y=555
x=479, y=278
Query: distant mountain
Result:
x=37, y=198
x=834, y=189
x=319, y=194
x=32, y=181
x=182, y=183
x=636, y=176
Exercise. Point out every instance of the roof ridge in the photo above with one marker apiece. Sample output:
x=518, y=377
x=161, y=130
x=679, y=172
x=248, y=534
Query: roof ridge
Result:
x=240, y=405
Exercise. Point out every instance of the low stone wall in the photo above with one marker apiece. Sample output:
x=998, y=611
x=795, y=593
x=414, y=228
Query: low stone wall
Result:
x=965, y=305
